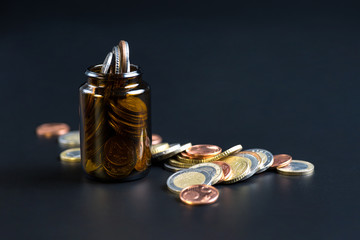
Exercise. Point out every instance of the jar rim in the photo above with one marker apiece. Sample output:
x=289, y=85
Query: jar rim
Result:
x=90, y=72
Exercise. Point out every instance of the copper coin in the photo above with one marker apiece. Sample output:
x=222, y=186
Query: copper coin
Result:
x=226, y=170
x=199, y=194
x=49, y=130
x=186, y=155
x=156, y=139
x=203, y=150
x=281, y=160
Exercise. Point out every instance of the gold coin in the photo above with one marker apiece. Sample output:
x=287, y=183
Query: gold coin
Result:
x=297, y=167
x=215, y=171
x=159, y=148
x=240, y=167
x=71, y=155
x=190, y=160
x=176, y=163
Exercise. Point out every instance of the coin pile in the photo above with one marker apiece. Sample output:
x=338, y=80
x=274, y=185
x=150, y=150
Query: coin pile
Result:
x=199, y=167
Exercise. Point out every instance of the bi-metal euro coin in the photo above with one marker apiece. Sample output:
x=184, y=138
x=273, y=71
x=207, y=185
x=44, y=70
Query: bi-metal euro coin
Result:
x=254, y=164
x=266, y=156
x=297, y=167
x=240, y=167
x=215, y=171
x=71, y=155
x=71, y=139
x=187, y=177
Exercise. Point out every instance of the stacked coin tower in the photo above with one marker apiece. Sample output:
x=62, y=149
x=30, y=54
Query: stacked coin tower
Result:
x=115, y=119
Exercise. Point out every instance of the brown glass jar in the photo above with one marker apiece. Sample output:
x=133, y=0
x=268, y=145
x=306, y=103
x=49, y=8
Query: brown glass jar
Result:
x=115, y=127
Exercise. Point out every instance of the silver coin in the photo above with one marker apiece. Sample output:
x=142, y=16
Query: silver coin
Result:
x=215, y=171
x=297, y=167
x=117, y=54
x=172, y=168
x=71, y=139
x=254, y=164
x=125, y=56
x=107, y=63
x=266, y=156
x=170, y=152
x=187, y=177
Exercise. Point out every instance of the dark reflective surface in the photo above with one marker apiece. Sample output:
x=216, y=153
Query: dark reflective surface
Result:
x=283, y=77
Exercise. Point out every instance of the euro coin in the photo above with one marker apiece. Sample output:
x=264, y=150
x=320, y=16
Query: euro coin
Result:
x=226, y=170
x=172, y=168
x=199, y=194
x=240, y=167
x=49, y=130
x=156, y=139
x=71, y=139
x=254, y=164
x=215, y=171
x=170, y=152
x=281, y=160
x=267, y=157
x=187, y=177
x=203, y=150
x=176, y=163
x=71, y=155
x=297, y=167
x=125, y=59
x=159, y=148
x=107, y=63
x=117, y=54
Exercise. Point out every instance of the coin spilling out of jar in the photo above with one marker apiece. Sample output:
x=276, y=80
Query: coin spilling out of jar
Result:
x=115, y=119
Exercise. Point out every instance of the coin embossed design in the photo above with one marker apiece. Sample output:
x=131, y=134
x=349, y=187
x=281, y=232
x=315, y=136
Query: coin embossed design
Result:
x=214, y=170
x=281, y=160
x=187, y=177
x=240, y=167
x=199, y=194
x=226, y=170
x=267, y=157
x=117, y=53
x=71, y=139
x=156, y=139
x=71, y=155
x=254, y=164
x=297, y=167
x=49, y=130
x=202, y=150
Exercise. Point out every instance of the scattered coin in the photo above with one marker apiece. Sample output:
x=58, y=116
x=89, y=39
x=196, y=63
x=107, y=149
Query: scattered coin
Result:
x=71, y=139
x=71, y=155
x=226, y=170
x=254, y=163
x=49, y=130
x=159, y=148
x=175, y=163
x=297, y=167
x=281, y=160
x=187, y=177
x=215, y=171
x=199, y=194
x=266, y=156
x=240, y=167
x=170, y=152
x=203, y=150
x=156, y=139
x=172, y=168
x=107, y=63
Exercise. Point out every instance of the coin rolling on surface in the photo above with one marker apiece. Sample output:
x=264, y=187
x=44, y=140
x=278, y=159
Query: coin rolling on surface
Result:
x=156, y=139
x=281, y=160
x=182, y=179
x=267, y=157
x=71, y=155
x=240, y=167
x=215, y=171
x=49, y=130
x=226, y=170
x=254, y=164
x=159, y=148
x=202, y=150
x=107, y=63
x=71, y=139
x=199, y=194
x=297, y=167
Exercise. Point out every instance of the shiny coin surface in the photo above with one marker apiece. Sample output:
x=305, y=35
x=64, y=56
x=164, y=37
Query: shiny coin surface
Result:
x=172, y=168
x=49, y=130
x=182, y=179
x=168, y=153
x=199, y=194
x=281, y=160
x=267, y=157
x=159, y=148
x=71, y=139
x=71, y=155
x=117, y=56
x=156, y=139
x=125, y=58
x=203, y=150
x=175, y=163
x=215, y=171
x=240, y=167
x=297, y=167
x=254, y=164
x=226, y=170
x=107, y=63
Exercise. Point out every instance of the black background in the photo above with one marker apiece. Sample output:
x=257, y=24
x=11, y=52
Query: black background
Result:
x=281, y=76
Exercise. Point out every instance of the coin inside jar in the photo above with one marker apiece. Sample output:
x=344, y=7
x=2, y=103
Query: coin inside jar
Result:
x=202, y=150
x=49, y=130
x=281, y=160
x=199, y=194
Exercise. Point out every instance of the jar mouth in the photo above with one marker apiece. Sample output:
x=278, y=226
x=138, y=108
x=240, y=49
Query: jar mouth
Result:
x=94, y=71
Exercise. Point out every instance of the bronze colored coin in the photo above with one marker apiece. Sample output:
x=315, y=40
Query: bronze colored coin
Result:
x=203, y=150
x=188, y=156
x=281, y=160
x=226, y=170
x=156, y=139
x=49, y=130
x=199, y=194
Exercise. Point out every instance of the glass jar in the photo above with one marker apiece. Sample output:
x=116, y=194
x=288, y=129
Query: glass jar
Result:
x=115, y=127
